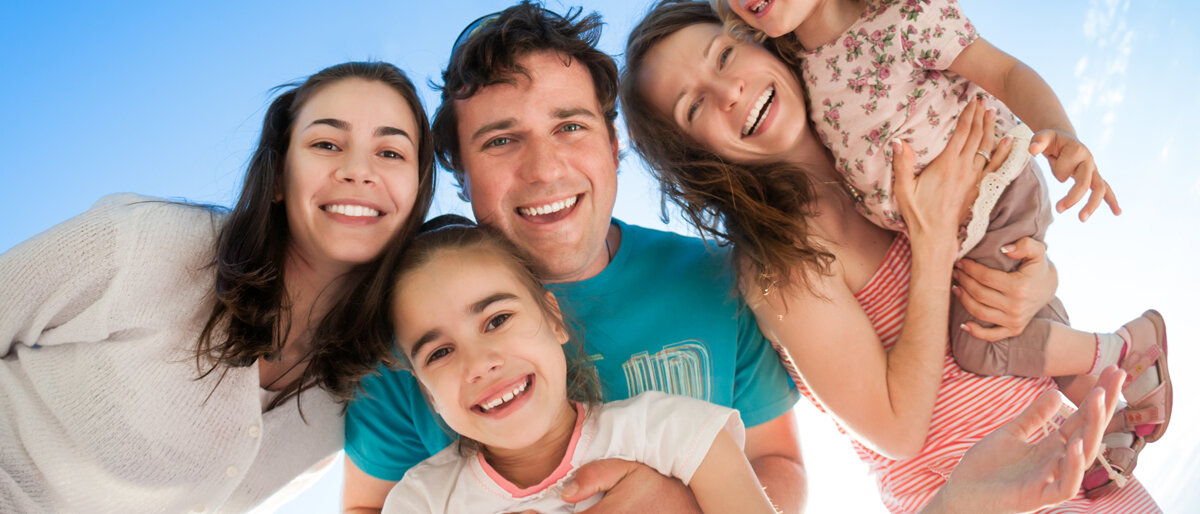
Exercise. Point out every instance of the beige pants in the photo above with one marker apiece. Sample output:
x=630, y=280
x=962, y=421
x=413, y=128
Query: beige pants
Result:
x=1022, y=210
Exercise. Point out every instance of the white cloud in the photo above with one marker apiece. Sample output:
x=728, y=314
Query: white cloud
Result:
x=1101, y=75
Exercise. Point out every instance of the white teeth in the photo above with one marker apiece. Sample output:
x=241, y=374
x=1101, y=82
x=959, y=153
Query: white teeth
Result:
x=351, y=210
x=760, y=6
x=759, y=112
x=549, y=208
x=504, y=398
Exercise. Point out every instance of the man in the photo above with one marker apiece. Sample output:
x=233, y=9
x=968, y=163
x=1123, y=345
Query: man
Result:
x=526, y=125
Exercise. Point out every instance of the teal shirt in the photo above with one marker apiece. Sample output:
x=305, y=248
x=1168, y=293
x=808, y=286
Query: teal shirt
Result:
x=661, y=316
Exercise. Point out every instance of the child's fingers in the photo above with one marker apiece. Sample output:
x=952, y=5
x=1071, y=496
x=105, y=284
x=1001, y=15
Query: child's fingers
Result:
x=1041, y=142
x=1111, y=199
x=1083, y=180
x=1099, y=191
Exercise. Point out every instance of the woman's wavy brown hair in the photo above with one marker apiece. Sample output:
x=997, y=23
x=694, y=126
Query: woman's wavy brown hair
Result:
x=761, y=209
x=453, y=232
x=251, y=319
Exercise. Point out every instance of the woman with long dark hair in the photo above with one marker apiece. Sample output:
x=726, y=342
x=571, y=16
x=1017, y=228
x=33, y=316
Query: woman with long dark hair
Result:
x=168, y=357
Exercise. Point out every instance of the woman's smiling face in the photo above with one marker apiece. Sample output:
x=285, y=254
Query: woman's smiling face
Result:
x=735, y=98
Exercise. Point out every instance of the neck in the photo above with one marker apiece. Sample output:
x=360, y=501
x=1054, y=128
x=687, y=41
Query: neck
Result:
x=526, y=467
x=604, y=254
x=828, y=20
x=307, y=288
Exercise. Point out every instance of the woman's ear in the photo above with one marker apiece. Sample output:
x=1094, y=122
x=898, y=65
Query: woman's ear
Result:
x=560, y=327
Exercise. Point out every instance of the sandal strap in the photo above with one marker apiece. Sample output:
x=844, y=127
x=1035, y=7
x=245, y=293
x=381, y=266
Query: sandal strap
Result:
x=1137, y=363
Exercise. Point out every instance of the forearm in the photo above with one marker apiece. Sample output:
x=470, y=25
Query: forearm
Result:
x=1032, y=100
x=914, y=365
x=784, y=481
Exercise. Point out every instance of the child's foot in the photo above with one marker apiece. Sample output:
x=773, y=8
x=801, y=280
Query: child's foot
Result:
x=1148, y=384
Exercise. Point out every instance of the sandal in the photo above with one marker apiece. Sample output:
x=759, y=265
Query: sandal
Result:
x=1112, y=469
x=1149, y=415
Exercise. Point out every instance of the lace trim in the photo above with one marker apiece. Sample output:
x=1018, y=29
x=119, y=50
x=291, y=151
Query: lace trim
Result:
x=993, y=184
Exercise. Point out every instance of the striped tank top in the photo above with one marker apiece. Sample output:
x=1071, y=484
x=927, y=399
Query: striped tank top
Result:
x=968, y=407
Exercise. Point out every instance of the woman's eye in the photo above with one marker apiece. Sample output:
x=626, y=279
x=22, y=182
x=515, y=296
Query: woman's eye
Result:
x=325, y=145
x=500, y=141
x=691, y=113
x=437, y=354
x=497, y=321
x=724, y=56
x=389, y=154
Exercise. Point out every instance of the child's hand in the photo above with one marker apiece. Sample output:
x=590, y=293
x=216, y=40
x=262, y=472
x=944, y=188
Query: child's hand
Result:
x=1070, y=158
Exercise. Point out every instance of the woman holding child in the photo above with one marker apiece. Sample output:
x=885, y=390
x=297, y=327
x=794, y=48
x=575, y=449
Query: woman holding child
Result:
x=828, y=285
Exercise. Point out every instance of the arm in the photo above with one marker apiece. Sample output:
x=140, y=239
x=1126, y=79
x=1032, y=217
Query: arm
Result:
x=1007, y=300
x=773, y=450
x=1032, y=100
x=1004, y=473
x=362, y=493
x=885, y=397
x=725, y=482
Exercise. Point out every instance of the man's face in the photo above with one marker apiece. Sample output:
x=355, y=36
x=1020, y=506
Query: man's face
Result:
x=541, y=165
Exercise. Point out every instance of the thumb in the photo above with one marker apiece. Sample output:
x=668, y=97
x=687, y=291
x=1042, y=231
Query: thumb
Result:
x=595, y=477
x=1024, y=248
x=1035, y=416
x=1040, y=142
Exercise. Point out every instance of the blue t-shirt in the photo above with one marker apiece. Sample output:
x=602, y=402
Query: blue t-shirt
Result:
x=661, y=316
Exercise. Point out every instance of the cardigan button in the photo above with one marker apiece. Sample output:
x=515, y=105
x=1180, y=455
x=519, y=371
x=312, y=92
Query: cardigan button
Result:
x=199, y=507
x=254, y=431
x=231, y=471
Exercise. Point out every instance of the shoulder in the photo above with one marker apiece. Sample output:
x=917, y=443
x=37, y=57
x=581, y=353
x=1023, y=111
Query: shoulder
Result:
x=427, y=487
x=665, y=251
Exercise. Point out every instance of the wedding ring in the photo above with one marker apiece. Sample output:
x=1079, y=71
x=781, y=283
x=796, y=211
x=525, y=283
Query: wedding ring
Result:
x=987, y=159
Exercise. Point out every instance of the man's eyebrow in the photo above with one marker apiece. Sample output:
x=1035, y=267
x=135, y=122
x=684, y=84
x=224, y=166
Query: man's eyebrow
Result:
x=392, y=131
x=495, y=125
x=573, y=112
x=479, y=306
x=332, y=122
x=424, y=339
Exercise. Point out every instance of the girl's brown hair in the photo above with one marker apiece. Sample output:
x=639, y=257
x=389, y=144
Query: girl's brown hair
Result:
x=761, y=209
x=453, y=232
x=251, y=301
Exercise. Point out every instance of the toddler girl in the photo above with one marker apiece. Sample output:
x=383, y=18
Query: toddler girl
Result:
x=486, y=342
x=893, y=70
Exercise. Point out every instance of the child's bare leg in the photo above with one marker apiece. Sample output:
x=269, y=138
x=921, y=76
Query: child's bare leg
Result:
x=1070, y=352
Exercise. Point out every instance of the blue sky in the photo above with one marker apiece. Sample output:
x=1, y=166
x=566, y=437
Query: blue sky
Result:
x=166, y=100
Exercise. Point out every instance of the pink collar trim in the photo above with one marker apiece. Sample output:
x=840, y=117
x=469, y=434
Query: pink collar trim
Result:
x=561, y=471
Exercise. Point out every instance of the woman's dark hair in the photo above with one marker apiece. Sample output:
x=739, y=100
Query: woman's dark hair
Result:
x=488, y=55
x=453, y=232
x=251, y=302
x=761, y=209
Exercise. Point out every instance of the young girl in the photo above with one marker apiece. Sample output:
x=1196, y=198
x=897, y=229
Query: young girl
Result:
x=486, y=342
x=889, y=70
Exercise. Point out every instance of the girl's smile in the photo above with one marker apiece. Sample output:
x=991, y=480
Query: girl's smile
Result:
x=483, y=348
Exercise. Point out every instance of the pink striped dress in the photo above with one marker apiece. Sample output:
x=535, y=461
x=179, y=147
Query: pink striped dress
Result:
x=968, y=407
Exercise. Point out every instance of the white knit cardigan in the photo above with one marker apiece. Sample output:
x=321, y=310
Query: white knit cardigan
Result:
x=100, y=409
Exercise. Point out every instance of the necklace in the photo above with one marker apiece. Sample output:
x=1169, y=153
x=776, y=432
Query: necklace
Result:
x=303, y=358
